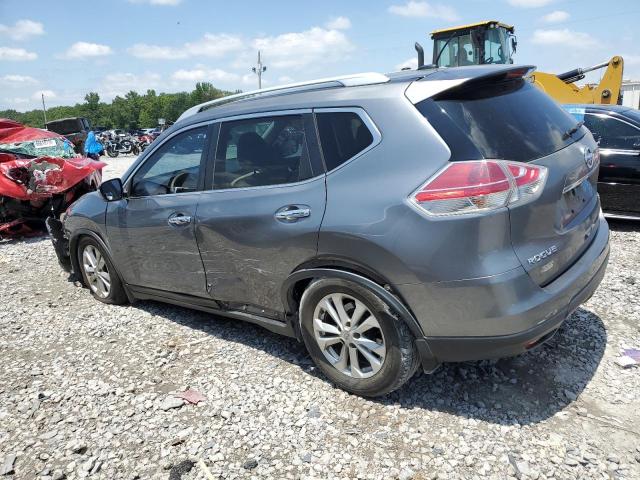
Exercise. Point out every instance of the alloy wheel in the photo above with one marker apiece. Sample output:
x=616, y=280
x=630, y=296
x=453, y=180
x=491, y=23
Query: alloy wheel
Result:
x=349, y=335
x=96, y=271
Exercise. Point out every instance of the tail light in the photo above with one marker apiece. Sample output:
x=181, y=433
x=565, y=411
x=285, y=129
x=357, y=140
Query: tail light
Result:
x=480, y=186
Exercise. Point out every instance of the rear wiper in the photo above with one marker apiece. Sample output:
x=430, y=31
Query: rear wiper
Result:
x=572, y=130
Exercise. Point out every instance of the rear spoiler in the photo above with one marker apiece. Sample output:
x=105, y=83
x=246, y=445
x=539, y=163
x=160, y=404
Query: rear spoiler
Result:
x=447, y=78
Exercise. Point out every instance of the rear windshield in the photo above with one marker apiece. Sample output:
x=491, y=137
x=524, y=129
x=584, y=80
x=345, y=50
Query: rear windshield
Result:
x=510, y=120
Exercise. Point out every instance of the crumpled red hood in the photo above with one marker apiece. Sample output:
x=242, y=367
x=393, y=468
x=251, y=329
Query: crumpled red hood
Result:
x=30, y=179
x=14, y=132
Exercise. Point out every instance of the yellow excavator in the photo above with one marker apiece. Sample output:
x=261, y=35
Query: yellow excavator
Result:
x=495, y=42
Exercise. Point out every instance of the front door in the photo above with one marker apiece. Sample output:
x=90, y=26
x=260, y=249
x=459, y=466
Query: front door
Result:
x=261, y=217
x=152, y=230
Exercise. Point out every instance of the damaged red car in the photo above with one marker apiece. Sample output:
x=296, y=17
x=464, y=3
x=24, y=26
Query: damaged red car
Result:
x=40, y=176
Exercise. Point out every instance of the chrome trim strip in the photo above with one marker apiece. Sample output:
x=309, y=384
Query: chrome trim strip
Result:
x=619, y=151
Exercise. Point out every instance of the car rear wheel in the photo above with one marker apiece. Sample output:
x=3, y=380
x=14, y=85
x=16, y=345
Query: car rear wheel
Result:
x=355, y=339
x=98, y=273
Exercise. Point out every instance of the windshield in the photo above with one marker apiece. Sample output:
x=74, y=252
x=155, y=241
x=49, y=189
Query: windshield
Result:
x=510, y=120
x=495, y=46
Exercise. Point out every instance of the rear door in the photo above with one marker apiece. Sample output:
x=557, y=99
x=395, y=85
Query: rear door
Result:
x=619, y=180
x=513, y=120
x=261, y=215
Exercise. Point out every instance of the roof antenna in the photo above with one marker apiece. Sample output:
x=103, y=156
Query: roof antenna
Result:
x=420, y=51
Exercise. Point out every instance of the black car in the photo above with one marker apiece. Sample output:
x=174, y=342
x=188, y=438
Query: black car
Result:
x=75, y=129
x=617, y=130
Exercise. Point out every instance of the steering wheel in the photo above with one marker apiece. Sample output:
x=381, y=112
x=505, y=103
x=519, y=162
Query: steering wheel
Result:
x=173, y=183
x=243, y=177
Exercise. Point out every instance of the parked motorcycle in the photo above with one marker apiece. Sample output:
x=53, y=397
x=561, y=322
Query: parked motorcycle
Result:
x=125, y=146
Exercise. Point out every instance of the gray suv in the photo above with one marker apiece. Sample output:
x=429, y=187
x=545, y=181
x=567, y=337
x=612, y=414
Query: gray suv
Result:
x=390, y=222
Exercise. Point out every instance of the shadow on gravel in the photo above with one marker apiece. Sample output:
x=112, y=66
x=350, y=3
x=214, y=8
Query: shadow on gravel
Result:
x=518, y=390
x=624, y=225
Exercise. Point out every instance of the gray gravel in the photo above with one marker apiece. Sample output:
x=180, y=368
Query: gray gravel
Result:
x=86, y=391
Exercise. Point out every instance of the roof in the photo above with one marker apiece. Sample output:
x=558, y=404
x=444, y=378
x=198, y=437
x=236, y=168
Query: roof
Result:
x=335, y=93
x=604, y=108
x=473, y=25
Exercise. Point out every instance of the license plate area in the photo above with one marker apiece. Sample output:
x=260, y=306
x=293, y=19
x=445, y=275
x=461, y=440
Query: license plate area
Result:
x=574, y=201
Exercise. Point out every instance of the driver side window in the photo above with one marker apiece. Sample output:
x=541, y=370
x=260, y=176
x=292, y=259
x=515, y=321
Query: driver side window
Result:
x=174, y=167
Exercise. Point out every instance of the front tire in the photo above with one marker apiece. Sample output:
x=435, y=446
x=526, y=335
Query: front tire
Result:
x=98, y=273
x=355, y=339
x=112, y=152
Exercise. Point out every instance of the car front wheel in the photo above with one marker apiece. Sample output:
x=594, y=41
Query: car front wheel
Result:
x=355, y=339
x=98, y=273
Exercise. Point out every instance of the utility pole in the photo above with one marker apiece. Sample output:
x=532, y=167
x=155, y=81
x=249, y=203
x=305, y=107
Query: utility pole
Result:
x=44, y=110
x=258, y=69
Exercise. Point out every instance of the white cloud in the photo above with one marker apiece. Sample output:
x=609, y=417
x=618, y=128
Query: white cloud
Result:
x=299, y=49
x=22, y=30
x=284, y=79
x=530, y=3
x=171, y=3
x=16, y=54
x=339, y=23
x=121, y=83
x=211, y=45
x=423, y=10
x=17, y=80
x=564, y=38
x=408, y=63
x=48, y=95
x=87, y=50
x=556, y=16
x=204, y=74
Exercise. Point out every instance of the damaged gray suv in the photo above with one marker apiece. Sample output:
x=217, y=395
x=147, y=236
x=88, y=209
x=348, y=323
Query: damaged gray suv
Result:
x=389, y=222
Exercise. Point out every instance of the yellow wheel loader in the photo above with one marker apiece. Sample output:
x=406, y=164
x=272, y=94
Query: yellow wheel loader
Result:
x=495, y=42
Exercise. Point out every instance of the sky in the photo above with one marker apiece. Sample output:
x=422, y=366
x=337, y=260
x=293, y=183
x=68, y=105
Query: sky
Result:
x=168, y=45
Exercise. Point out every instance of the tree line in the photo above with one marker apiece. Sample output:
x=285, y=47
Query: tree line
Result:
x=129, y=112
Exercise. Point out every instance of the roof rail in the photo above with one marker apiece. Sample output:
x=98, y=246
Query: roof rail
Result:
x=355, y=80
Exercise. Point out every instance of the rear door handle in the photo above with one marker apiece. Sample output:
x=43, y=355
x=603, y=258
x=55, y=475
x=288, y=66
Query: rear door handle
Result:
x=179, y=220
x=292, y=213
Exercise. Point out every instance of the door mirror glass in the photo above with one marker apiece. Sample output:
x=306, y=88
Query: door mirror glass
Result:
x=111, y=190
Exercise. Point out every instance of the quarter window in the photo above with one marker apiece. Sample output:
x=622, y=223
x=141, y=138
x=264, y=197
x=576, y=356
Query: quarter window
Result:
x=262, y=151
x=342, y=135
x=174, y=167
x=612, y=133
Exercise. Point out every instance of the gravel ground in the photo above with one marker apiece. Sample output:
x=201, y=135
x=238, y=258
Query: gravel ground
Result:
x=86, y=390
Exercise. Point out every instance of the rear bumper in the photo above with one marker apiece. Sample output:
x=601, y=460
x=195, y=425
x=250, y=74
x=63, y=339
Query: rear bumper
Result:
x=506, y=314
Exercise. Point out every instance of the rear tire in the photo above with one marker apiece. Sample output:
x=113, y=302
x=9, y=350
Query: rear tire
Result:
x=98, y=273
x=380, y=348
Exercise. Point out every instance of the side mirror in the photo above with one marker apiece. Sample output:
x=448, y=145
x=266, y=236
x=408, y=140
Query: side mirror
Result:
x=111, y=190
x=514, y=43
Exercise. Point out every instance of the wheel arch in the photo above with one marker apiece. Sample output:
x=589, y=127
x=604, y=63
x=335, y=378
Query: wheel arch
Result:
x=296, y=283
x=73, y=255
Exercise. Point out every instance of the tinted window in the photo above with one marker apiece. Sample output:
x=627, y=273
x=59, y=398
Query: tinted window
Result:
x=612, y=133
x=510, y=120
x=174, y=167
x=342, y=135
x=262, y=151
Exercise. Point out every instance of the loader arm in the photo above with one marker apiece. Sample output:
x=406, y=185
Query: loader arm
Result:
x=607, y=92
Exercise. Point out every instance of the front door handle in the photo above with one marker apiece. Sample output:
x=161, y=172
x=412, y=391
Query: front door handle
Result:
x=293, y=213
x=179, y=220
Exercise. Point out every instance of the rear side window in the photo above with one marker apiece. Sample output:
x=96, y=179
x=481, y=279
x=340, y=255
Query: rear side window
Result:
x=510, y=120
x=342, y=135
x=612, y=133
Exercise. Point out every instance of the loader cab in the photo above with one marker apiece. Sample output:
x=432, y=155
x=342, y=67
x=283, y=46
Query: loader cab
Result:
x=489, y=42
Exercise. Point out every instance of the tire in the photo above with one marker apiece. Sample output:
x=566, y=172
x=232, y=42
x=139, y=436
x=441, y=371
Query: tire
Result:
x=95, y=254
x=112, y=152
x=389, y=362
